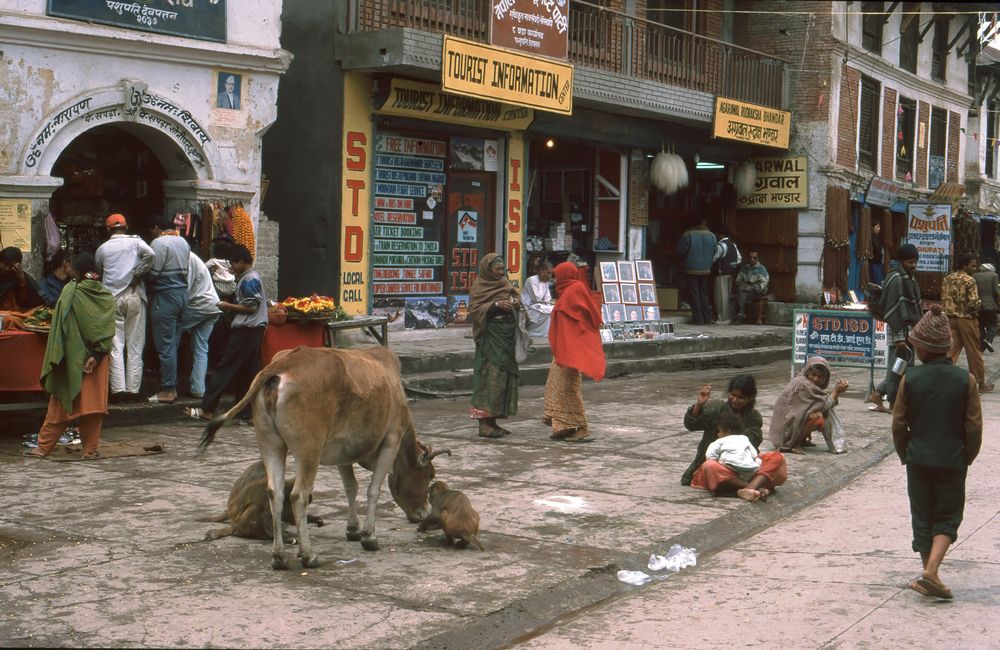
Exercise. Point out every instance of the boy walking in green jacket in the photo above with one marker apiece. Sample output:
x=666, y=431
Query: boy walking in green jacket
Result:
x=937, y=426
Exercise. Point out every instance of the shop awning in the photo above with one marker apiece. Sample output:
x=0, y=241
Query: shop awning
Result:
x=948, y=193
x=979, y=216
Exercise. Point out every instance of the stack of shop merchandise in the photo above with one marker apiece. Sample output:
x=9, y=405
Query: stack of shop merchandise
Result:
x=557, y=240
x=71, y=436
x=534, y=243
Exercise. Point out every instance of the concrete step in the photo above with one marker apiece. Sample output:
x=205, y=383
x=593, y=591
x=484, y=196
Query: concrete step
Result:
x=462, y=353
x=458, y=382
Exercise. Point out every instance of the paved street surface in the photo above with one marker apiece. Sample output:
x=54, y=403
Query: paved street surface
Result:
x=109, y=553
x=833, y=576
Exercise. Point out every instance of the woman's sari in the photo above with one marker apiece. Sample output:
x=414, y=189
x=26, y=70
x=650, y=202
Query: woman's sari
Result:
x=495, y=376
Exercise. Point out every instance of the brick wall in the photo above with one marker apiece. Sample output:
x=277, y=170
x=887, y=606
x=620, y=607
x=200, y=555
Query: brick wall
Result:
x=923, y=118
x=888, y=133
x=266, y=261
x=954, y=140
x=847, y=118
x=805, y=43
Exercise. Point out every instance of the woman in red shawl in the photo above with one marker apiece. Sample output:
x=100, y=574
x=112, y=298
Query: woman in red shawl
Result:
x=575, y=339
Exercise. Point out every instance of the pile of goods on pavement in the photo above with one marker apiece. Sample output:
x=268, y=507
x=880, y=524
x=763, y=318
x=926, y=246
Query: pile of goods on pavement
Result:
x=314, y=306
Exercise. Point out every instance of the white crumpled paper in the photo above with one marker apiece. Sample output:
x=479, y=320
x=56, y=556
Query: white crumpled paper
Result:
x=677, y=558
x=636, y=578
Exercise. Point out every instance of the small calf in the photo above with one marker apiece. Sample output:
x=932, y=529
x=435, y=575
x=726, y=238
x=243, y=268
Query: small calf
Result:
x=249, y=508
x=452, y=512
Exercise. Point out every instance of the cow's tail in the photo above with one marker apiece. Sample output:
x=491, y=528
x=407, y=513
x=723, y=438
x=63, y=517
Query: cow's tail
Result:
x=474, y=541
x=263, y=378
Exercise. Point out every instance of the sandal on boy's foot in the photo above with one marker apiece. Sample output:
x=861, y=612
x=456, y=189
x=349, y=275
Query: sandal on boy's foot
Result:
x=934, y=589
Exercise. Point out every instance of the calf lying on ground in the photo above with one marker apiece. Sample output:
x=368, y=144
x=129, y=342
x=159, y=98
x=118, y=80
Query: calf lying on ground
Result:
x=249, y=508
x=452, y=512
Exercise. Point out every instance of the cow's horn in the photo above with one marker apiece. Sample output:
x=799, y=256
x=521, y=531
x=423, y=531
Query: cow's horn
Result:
x=429, y=454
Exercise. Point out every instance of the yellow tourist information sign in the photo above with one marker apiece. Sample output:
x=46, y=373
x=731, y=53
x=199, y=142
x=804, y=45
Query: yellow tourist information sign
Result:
x=736, y=120
x=487, y=72
x=427, y=102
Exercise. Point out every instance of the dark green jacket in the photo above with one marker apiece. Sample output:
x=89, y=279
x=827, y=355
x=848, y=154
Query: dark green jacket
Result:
x=706, y=422
x=937, y=420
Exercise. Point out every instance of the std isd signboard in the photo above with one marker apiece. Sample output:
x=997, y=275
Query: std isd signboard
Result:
x=843, y=338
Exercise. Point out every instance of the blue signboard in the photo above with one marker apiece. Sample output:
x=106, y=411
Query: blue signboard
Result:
x=843, y=338
x=201, y=19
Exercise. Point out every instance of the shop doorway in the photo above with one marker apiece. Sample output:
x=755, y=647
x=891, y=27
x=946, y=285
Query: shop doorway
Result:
x=106, y=170
x=469, y=231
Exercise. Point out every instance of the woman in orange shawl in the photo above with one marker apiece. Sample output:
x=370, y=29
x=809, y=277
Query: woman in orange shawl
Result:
x=575, y=339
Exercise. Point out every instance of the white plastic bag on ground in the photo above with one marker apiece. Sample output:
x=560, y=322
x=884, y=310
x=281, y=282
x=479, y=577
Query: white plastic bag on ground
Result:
x=677, y=558
x=636, y=578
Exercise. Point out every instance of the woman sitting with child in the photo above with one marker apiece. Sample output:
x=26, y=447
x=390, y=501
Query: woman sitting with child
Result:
x=803, y=407
x=704, y=416
x=733, y=465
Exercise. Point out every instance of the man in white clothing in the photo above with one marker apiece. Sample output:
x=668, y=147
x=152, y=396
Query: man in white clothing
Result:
x=537, y=297
x=122, y=261
x=199, y=319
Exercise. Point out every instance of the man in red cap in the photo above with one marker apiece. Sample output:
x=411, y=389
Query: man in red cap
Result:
x=122, y=261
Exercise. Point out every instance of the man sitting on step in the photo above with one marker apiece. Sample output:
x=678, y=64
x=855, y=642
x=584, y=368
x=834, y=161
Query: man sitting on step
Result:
x=751, y=285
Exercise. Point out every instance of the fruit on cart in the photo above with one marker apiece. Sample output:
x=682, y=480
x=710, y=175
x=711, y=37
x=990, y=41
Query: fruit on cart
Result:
x=39, y=317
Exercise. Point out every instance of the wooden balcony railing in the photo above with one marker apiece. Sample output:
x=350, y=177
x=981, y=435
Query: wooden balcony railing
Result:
x=607, y=40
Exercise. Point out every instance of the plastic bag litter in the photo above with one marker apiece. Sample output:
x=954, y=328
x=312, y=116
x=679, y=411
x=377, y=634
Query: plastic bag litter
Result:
x=834, y=433
x=636, y=578
x=677, y=558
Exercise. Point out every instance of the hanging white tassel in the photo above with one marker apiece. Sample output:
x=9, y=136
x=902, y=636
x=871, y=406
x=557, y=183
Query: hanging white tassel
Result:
x=745, y=179
x=661, y=173
x=682, y=172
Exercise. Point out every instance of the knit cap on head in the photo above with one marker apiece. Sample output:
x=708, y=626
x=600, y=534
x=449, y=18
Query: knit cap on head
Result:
x=907, y=252
x=932, y=333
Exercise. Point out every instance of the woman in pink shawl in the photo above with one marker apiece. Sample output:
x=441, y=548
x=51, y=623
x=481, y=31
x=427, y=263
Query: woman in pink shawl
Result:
x=574, y=336
x=803, y=407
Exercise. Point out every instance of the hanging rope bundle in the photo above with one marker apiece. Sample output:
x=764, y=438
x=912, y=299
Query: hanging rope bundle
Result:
x=836, y=252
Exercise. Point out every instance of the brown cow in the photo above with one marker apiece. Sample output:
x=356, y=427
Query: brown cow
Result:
x=335, y=407
x=249, y=508
x=452, y=512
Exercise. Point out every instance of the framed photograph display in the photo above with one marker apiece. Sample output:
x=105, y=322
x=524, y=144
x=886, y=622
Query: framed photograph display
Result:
x=630, y=296
x=647, y=293
x=651, y=313
x=609, y=272
x=611, y=293
x=644, y=270
x=633, y=313
x=616, y=312
x=606, y=335
x=626, y=272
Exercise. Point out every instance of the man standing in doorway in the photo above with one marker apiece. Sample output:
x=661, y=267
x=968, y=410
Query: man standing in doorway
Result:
x=697, y=247
x=122, y=261
x=725, y=265
x=169, y=285
x=960, y=300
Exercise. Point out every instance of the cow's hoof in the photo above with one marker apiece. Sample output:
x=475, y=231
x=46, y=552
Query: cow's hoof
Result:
x=369, y=544
x=353, y=534
x=309, y=562
x=279, y=562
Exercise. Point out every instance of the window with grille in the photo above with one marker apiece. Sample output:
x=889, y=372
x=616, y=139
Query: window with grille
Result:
x=906, y=122
x=938, y=148
x=909, y=37
x=679, y=15
x=868, y=123
x=939, y=47
x=871, y=26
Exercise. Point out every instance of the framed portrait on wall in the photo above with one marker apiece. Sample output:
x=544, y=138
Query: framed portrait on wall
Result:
x=651, y=313
x=611, y=293
x=633, y=313
x=606, y=335
x=644, y=270
x=609, y=272
x=647, y=293
x=616, y=312
x=630, y=296
x=626, y=272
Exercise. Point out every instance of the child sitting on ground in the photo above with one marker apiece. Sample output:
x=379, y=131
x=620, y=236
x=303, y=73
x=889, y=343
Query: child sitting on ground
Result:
x=803, y=407
x=733, y=449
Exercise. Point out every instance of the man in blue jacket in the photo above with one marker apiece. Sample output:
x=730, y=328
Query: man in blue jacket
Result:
x=697, y=248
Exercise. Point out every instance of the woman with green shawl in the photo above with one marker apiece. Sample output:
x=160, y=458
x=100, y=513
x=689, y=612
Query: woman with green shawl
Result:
x=75, y=368
x=492, y=301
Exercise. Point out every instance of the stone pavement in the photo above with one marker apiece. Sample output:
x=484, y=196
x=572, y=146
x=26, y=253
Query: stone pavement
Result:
x=832, y=576
x=109, y=553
